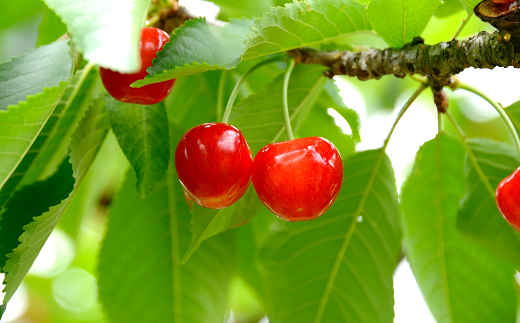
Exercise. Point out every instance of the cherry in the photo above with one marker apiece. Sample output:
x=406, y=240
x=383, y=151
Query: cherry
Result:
x=298, y=179
x=503, y=1
x=508, y=199
x=213, y=162
x=118, y=84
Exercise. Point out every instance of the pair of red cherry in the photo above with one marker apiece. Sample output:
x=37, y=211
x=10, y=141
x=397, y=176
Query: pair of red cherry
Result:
x=297, y=179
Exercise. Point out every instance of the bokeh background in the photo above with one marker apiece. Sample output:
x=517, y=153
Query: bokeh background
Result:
x=61, y=286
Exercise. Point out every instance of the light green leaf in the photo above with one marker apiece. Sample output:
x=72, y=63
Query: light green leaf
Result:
x=142, y=134
x=50, y=29
x=459, y=280
x=86, y=141
x=150, y=236
x=51, y=145
x=305, y=23
x=339, y=267
x=260, y=115
x=198, y=47
x=31, y=73
x=207, y=223
x=399, y=21
x=106, y=32
x=17, y=11
x=479, y=217
x=470, y=4
x=243, y=8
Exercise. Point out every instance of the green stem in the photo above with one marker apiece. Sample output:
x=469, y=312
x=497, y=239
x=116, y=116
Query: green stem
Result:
x=471, y=156
x=440, y=123
x=220, y=94
x=241, y=80
x=287, y=117
x=464, y=23
x=497, y=107
x=405, y=107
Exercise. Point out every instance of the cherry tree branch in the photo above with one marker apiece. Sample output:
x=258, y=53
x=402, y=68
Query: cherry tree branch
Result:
x=439, y=61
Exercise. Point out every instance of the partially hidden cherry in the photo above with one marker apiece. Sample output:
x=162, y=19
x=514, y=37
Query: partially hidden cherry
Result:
x=118, y=84
x=299, y=179
x=508, y=199
x=213, y=162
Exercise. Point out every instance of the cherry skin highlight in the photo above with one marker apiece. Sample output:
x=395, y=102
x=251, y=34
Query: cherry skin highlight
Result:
x=118, y=84
x=298, y=180
x=508, y=199
x=213, y=162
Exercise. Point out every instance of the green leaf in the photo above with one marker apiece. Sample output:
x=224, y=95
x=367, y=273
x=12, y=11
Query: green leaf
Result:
x=106, y=32
x=207, y=223
x=470, y=4
x=18, y=213
x=31, y=73
x=149, y=236
x=399, y=21
x=305, y=23
x=142, y=133
x=86, y=141
x=460, y=281
x=479, y=217
x=339, y=267
x=51, y=28
x=14, y=12
x=260, y=115
x=51, y=145
x=243, y=8
x=198, y=47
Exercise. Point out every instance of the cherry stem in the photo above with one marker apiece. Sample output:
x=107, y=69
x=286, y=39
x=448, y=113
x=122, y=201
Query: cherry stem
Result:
x=234, y=93
x=498, y=108
x=470, y=153
x=464, y=23
x=440, y=123
x=287, y=117
x=405, y=107
x=220, y=93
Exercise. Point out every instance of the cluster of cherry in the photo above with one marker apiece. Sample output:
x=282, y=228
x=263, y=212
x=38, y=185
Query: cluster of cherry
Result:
x=296, y=179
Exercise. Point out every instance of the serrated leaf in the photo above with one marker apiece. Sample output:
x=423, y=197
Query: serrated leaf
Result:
x=150, y=236
x=106, y=32
x=142, y=134
x=399, y=21
x=198, y=47
x=31, y=73
x=243, y=8
x=50, y=29
x=207, y=223
x=18, y=213
x=260, y=115
x=459, y=280
x=479, y=217
x=51, y=145
x=86, y=141
x=304, y=23
x=339, y=267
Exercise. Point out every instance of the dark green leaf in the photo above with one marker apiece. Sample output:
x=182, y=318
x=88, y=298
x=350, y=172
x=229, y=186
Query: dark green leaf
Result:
x=150, y=236
x=17, y=11
x=305, y=23
x=142, y=133
x=207, y=223
x=339, y=267
x=51, y=28
x=260, y=115
x=31, y=73
x=399, y=21
x=106, y=32
x=460, y=281
x=479, y=217
x=198, y=47
x=41, y=196
x=86, y=141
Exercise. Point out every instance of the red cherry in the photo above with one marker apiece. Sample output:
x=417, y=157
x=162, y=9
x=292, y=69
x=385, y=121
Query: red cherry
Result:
x=299, y=179
x=213, y=162
x=118, y=84
x=508, y=199
x=503, y=1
